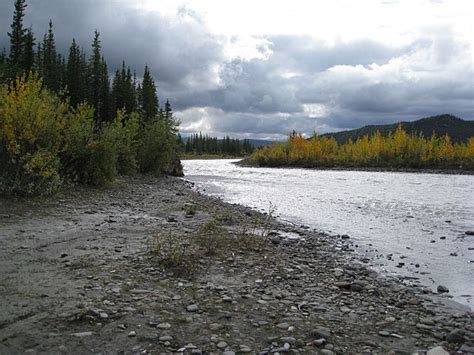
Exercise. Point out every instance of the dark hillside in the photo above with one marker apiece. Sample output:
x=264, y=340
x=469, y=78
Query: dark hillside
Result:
x=458, y=129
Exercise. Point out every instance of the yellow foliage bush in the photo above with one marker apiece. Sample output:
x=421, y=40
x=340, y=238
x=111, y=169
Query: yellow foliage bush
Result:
x=397, y=150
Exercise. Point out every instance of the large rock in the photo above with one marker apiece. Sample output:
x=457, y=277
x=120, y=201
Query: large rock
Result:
x=322, y=332
x=437, y=351
x=456, y=336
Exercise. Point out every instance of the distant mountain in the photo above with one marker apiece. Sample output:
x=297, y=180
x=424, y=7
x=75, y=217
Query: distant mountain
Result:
x=458, y=129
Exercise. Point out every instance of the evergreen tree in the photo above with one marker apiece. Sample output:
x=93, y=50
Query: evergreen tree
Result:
x=75, y=75
x=17, y=39
x=168, y=112
x=28, y=54
x=98, y=81
x=148, y=98
x=50, y=64
x=124, y=91
x=3, y=66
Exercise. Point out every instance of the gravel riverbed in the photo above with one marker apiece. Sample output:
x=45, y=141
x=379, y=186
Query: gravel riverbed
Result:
x=151, y=266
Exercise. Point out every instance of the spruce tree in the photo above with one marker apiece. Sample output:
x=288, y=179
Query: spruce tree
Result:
x=98, y=82
x=28, y=53
x=50, y=64
x=17, y=39
x=149, y=100
x=74, y=75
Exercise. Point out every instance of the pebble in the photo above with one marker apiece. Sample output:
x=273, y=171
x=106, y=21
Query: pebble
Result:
x=322, y=332
x=164, y=326
x=437, y=351
x=132, y=334
x=192, y=308
x=442, y=289
x=283, y=326
x=222, y=345
x=82, y=334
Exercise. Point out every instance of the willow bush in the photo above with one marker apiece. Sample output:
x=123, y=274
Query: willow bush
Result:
x=44, y=142
x=397, y=150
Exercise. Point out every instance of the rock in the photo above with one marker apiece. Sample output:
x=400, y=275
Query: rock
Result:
x=192, y=308
x=384, y=333
x=165, y=338
x=442, y=289
x=103, y=315
x=319, y=342
x=283, y=326
x=289, y=340
x=456, y=336
x=245, y=349
x=469, y=232
x=437, y=351
x=164, y=326
x=228, y=353
x=326, y=351
x=171, y=219
x=221, y=345
x=322, y=332
x=227, y=299
x=215, y=326
x=469, y=349
x=343, y=284
x=356, y=287
x=132, y=334
x=82, y=334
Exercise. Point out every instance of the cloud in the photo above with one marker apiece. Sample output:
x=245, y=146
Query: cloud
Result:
x=266, y=86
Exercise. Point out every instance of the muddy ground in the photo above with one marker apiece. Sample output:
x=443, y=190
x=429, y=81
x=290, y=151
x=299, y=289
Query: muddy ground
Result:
x=151, y=266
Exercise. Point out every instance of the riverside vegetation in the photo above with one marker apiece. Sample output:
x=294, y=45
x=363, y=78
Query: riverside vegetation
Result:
x=397, y=150
x=60, y=122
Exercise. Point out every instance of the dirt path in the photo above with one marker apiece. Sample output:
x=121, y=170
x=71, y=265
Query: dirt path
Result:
x=86, y=273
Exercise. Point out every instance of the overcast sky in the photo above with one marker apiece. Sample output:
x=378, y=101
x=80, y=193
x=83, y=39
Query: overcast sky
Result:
x=261, y=68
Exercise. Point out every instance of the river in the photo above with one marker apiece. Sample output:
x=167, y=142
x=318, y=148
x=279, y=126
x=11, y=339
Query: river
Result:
x=416, y=219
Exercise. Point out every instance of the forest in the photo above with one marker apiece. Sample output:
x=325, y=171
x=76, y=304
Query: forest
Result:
x=62, y=120
x=199, y=144
x=397, y=150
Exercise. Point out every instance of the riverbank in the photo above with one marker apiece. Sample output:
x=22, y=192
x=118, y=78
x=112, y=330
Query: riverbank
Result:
x=152, y=266
x=245, y=163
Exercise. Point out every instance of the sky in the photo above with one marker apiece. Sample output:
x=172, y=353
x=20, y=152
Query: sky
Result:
x=261, y=68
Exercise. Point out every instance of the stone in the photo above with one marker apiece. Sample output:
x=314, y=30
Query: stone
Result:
x=289, y=340
x=467, y=348
x=437, y=351
x=82, y=334
x=456, y=336
x=442, y=289
x=322, y=332
x=165, y=338
x=192, y=308
x=245, y=349
x=319, y=342
x=164, y=326
x=132, y=334
x=215, y=326
x=283, y=326
x=469, y=232
x=221, y=345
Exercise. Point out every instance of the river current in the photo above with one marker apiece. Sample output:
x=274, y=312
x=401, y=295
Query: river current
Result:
x=415, y=219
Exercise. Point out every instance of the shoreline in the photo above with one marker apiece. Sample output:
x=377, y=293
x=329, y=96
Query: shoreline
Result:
x=82, y=272
x=368, y=169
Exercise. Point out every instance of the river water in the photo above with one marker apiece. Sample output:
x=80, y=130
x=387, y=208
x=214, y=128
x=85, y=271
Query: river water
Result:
x=393, y=217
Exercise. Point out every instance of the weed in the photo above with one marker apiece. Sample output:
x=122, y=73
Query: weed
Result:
x=174, y=252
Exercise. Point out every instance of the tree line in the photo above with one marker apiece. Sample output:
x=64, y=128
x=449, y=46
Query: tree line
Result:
x=199, y=144
x=63, y=119
x=397, y=150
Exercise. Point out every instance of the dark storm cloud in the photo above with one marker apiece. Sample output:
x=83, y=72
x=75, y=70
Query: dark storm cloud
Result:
x=296, y=82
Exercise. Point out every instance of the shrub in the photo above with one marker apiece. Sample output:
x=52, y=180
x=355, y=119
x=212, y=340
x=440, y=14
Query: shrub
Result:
x=31, y=135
